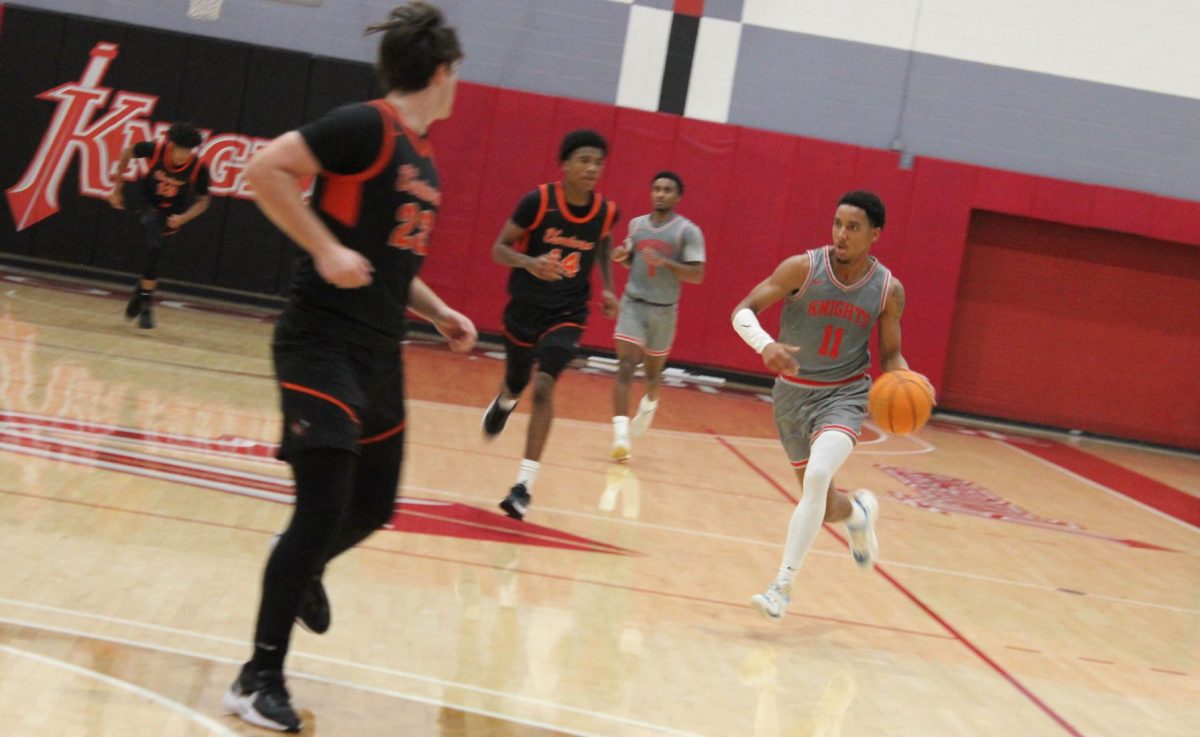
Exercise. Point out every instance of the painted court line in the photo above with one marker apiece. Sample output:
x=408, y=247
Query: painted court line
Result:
x=209, y=723
x=1020, y=687
x=657, y=729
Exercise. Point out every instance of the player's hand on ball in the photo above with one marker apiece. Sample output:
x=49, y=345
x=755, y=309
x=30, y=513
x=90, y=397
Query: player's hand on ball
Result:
x=458, y=330
x=928, y=385
x=343, y=267
x=781, y=358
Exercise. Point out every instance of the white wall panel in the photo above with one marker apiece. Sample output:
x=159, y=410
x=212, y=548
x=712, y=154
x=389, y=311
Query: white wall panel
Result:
x=644, y=58
x=1144, y=44
x=711, y=85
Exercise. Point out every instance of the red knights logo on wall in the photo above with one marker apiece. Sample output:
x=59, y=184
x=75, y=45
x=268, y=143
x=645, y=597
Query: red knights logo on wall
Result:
x=76, y=131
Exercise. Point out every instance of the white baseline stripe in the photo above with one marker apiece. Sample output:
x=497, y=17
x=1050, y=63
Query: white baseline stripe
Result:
x=209, y=723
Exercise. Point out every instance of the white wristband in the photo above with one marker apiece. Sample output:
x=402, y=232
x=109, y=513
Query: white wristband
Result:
x=746, y=324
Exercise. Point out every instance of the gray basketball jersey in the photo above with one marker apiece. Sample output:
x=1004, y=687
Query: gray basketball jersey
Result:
x=831, y=322
x=678, y=239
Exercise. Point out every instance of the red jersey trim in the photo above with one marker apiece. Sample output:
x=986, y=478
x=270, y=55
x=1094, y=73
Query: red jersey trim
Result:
x=382, y=435
x=566, y=210
x=809, y=382
x=560, y=326
x=807, y=280
x=848, y=287
x=836, y=428
x=542, y=206
x=341, y=199
x=608, y=219
x=421, y=145
x=322, y=395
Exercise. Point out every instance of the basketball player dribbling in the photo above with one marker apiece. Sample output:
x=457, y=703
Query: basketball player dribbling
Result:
x=834, y=297
x=337, y=344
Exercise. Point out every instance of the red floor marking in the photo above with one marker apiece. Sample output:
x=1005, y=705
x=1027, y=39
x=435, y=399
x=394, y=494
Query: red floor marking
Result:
x=1096, y=660
x=474, y=564
x=1033, y=698
x=1170, y=672
x=1155, y=494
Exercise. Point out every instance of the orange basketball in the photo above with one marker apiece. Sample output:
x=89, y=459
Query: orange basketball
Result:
x=900, y=401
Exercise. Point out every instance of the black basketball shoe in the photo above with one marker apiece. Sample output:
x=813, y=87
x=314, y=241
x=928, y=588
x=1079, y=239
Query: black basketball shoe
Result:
x=314, y=614
x=146, y=318
x=516, y=504
x=260, y=698
x=495, y=418
x=134, y=307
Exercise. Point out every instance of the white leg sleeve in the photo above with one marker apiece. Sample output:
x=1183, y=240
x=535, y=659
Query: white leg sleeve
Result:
x=828, y=453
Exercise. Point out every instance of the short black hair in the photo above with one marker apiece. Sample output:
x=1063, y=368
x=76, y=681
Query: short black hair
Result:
x=869, y=203
x=184, y=135
x=416, y=40
x=581, y=138
x=669, y=175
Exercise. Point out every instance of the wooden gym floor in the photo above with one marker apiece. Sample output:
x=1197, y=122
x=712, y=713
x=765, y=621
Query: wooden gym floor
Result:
x=1027, y=586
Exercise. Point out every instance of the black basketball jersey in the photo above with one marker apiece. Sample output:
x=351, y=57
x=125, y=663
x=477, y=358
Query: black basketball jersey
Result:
x=167, y=187
x=573, y=237
x=384, y=208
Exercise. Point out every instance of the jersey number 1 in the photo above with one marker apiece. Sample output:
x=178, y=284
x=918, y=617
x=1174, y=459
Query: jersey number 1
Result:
x=831, y=342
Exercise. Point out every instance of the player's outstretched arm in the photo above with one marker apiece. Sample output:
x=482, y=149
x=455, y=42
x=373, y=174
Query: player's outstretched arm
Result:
x=275, y=174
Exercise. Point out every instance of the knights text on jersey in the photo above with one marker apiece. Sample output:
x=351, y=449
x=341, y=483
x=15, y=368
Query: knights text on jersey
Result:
x=378, y=193
x=831, y=322
x=167, y=187
x=571, y=233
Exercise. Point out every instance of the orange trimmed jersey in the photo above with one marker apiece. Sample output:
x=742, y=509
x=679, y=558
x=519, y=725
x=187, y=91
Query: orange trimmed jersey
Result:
x=378, y=193
x=572, y=232
x=167, y=187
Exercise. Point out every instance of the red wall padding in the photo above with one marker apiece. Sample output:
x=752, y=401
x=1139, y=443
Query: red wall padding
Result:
x=1078, y=328
x=759, y=197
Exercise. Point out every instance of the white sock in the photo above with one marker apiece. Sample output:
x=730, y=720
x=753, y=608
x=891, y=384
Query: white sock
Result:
x=506, y=404
x=647, y=404
x=621, y=427
x=829, y=451
x=528, y=474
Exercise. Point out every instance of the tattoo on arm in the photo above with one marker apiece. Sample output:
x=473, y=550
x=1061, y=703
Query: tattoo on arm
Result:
x=898, y=298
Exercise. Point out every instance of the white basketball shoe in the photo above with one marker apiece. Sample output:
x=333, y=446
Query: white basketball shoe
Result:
x=863, y=544
x=773, y=602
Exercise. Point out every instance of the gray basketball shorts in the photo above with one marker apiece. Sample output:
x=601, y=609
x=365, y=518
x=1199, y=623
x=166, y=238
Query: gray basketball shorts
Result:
x=649, y=326
x=802, y=413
